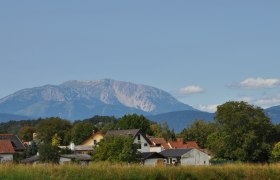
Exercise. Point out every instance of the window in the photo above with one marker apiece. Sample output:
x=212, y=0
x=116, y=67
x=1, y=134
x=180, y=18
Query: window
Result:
x=138, y=146
x=94, y=142
x=145, y=144
x=138, y=137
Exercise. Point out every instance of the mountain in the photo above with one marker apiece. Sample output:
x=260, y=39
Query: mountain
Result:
x=83, y=99
x=7, y=117
x=180, y=119
x=274, y=114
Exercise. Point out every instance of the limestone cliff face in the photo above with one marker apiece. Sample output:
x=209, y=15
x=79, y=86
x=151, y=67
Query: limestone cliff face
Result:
x=82, y=99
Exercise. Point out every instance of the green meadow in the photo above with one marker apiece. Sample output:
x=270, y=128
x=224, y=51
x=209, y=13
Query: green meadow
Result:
x=125, y=171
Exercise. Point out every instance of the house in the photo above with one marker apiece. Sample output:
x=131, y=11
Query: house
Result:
x=152, y=158
x=15, y=141
x=179, y=143
x=6, y=151
x=79, y=149
x=65, y=158
x=81, y=158
x=93, y=139
x=160, y=144
x=189, y=156
x=136, y=134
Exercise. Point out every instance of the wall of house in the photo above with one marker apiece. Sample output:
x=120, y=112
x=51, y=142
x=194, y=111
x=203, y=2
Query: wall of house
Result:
x=90, y=141
x=156, y=149
x=6, y=157
x=195, y=157
x=145, y=146
x=153, y=162
x=63, y=160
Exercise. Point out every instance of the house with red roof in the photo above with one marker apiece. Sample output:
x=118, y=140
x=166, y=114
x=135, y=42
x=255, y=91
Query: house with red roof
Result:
x=9, y=145
x=6, y=151
x=160, y=144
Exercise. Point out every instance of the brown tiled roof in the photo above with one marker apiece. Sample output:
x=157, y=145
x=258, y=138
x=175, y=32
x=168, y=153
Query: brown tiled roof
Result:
x=6, y=147
x=160, y=142
x=179, y=144
x=156, y=141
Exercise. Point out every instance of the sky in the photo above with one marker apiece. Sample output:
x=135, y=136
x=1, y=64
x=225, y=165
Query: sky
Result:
x=203, y=52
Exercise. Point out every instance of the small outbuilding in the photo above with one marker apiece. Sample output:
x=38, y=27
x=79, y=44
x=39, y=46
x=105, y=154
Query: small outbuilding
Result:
x=189, y=156
x=80, y=158
x=152, y=158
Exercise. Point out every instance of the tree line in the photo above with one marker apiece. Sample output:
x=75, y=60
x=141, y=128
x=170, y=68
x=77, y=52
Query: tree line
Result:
x=240, y=132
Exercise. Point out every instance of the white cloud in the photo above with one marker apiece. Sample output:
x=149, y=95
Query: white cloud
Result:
x=208, y=108
x=256, y=83
x=266, y=102
x=193, y=89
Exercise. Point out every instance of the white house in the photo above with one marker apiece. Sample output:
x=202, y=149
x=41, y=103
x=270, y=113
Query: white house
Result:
x=136, y=134
x=190, y=156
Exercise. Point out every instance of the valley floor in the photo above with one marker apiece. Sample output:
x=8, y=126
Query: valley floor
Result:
x=125, y=171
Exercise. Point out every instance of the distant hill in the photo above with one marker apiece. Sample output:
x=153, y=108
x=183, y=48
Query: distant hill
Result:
x=4, y=117
x=181, y=119
x=274, y=114
x=83, y=99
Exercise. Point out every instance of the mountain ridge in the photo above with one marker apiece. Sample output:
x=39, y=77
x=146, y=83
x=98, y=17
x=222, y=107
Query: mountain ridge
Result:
x=82, y=99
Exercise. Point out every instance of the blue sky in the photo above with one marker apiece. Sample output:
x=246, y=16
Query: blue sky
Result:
x=203, y=52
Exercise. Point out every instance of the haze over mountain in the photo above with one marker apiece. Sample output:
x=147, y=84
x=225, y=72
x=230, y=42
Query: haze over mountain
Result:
x=82, y=99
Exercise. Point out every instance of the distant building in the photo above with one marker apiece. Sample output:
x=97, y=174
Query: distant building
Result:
x=160, y=144
x=6, y=151
x=93, y=139
x=137, y=135
x=9, y=145
x=190, y=156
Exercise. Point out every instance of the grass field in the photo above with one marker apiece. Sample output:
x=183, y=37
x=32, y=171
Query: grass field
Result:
x=124, y=171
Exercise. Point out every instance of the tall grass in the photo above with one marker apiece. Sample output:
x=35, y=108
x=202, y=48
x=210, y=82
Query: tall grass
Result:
x=125, y=171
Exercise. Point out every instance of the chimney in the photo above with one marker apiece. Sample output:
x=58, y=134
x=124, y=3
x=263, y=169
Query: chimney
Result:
x=72, y=146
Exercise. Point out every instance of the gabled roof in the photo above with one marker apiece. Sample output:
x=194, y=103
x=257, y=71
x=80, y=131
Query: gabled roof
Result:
x=175, y=152
x=179, y=144
x=83, y=148
x=151, y=155
x=6, y=147
x=81, y=157
x=31, y=159
x=94, y=134
x=123, y=132
x=127, y=132
x=16, y=142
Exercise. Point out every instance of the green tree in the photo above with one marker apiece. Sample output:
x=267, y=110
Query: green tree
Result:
x=47, y=128
x=166, y=133
x=26, y=133
x=116, y=149
x=276, y=151
x=134, y=121
x=81, y=131
x=30, y=150
x=56, y=140
x=199, y=132
x=156, y=130
x=243, y=133
x=48, y=153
